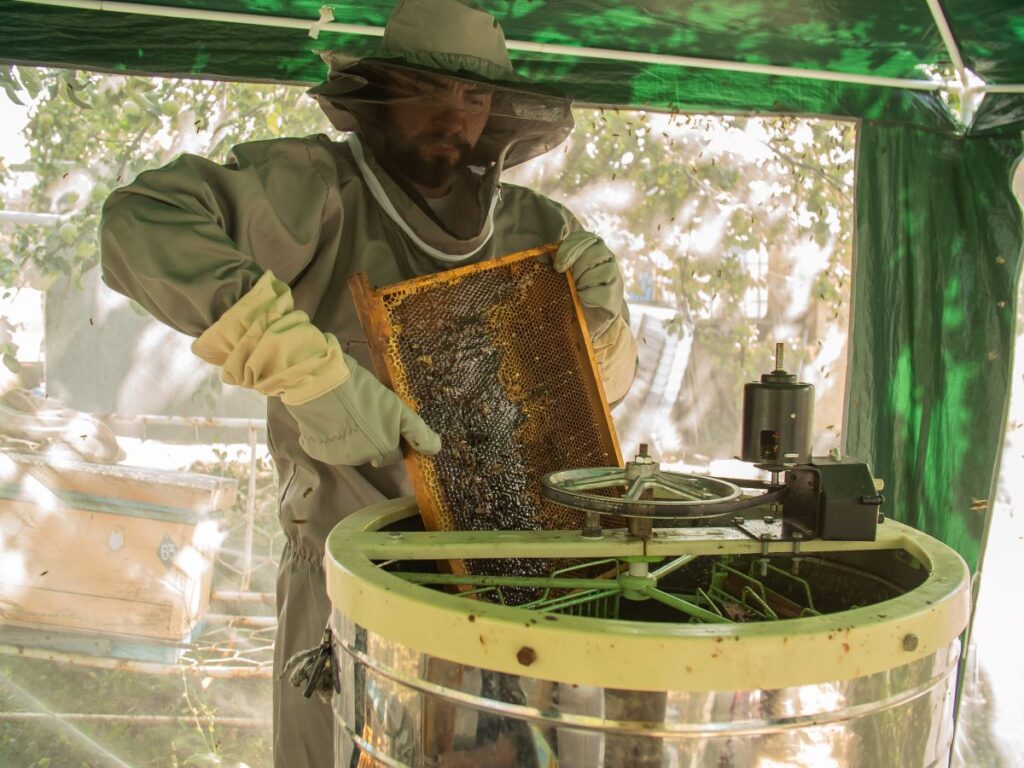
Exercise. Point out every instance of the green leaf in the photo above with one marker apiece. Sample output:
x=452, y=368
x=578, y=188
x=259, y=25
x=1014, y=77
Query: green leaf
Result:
x=85, y=249
x=29, y=77
x=144, y=103
x=7, y=78
x=68, y=88
x=68, y=233
x=11, y=363
x=75, y=100
x=12, y=95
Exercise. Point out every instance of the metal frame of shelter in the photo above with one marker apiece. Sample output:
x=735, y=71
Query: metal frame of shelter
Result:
x=963, y=85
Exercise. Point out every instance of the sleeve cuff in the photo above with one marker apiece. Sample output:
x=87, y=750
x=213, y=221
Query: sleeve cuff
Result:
x=262, y=342
x=616, y=354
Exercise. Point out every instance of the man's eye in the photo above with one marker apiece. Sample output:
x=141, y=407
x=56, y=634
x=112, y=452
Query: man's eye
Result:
x=403, y=92
x=432, y=90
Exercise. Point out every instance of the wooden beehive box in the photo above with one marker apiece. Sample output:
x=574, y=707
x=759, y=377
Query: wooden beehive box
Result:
x=110, y=549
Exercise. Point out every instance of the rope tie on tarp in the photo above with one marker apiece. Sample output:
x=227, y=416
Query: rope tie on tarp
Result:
x=326, y=17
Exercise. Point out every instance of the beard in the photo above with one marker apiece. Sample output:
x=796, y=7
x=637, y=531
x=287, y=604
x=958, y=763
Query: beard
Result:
x=405, y=156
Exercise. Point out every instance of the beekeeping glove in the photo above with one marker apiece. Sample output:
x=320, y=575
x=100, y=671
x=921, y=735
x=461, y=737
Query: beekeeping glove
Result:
x=595, y=271
x=599, y=284
x=360, y=421
x=345, y=416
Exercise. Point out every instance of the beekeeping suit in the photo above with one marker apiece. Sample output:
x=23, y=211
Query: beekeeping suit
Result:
x=252, y=257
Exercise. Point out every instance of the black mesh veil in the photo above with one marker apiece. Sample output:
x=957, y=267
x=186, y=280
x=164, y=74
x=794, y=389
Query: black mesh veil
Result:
x=524, y=120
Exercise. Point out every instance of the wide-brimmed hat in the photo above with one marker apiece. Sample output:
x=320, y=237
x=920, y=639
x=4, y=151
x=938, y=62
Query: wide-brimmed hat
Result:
x=451, y=39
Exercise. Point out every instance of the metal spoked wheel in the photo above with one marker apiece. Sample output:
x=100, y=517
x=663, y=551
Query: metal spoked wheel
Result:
x=641, y=493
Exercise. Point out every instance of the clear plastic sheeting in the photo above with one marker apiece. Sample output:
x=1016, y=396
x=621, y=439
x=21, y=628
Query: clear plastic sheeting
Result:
x=684, y=200
x=734, y=233
x=138, y=599
x=991, y=714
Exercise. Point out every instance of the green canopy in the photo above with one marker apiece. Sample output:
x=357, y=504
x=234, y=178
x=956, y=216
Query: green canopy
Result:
x=623, y=53
x=938, y=233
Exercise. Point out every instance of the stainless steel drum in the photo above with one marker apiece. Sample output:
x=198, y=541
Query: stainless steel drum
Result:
x=441, y=679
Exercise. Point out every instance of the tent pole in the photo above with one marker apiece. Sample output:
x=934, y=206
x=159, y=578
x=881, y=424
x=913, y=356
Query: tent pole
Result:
x=947, y=37
x=998, y=88
x=728, y=66
x=954, y=54
x=199, y=14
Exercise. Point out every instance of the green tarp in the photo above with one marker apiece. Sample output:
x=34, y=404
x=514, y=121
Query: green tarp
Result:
x=934, y=304
x=938, y=234
x=853, y=37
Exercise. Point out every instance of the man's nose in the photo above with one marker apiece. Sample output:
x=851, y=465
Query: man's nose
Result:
x=449, y=118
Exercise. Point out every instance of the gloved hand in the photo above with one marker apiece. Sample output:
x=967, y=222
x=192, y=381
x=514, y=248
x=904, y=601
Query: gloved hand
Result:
x=361, y=421
x=600, y=287
x=345, y=415
x=598, y=279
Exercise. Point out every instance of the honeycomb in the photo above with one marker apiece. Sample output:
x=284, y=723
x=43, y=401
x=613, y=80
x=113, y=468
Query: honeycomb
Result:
x=495, y=359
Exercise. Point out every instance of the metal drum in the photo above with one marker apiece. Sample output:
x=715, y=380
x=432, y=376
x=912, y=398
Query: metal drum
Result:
x=439, y=680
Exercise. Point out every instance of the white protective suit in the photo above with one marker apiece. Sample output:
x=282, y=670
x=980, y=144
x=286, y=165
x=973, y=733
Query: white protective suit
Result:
x=190, y=240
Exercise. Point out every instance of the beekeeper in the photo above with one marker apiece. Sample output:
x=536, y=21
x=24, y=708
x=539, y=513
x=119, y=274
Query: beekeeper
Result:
x=252, y=257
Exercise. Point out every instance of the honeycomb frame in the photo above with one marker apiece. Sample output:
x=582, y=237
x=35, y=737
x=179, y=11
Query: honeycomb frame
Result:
x=496, y=358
